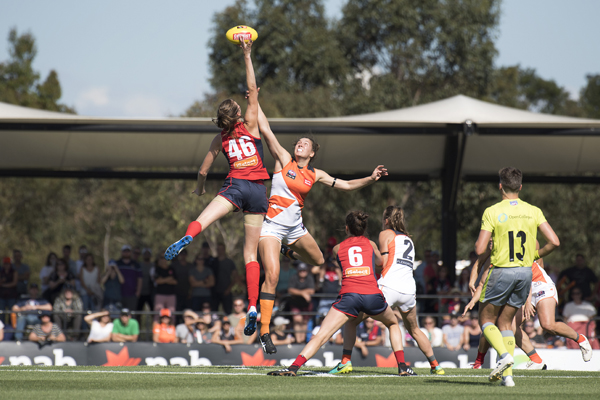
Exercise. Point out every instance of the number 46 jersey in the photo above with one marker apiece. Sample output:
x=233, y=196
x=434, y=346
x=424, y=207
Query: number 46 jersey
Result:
x=244, y=153
x=397, y=273
x=513, y=224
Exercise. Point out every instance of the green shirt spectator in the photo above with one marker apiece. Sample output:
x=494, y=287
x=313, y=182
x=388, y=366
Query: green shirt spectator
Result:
x=125, y=329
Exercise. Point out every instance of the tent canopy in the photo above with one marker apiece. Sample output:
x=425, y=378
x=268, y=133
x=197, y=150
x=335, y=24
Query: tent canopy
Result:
x=411, y=142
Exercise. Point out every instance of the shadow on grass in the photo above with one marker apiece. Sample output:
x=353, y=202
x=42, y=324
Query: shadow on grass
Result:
x=455, y=382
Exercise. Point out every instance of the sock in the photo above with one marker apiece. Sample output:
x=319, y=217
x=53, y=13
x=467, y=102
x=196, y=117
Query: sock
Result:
x=300, y=361
x=508, y=337
x=534, y=356
x=480, y=357
x=494, y=337
x=193, y=229
x=580, y=338
x=252, y=282
x=346, y=355
x=266, y=311
x=432, y=361
x=399, y=356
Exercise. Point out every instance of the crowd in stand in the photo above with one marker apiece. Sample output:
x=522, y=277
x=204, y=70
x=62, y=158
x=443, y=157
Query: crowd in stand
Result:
x=191, y=300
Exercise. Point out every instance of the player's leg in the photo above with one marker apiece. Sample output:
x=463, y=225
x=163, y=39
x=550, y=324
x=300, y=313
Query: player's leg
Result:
x=546, y=313
x=252, y=227
x=391, y=322
x=523, y=342
x=307, y=250
x=216, y=209
x=345, y=366
x=410, y=323
x=269, y=254
x=333, y=321
x=482, y=350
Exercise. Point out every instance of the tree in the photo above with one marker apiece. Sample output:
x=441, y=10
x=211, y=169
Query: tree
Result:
x=20, y=84
x=412, y=51
x=590, y=97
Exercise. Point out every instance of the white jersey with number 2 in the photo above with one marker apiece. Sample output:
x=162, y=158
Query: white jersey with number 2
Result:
x=397, y=273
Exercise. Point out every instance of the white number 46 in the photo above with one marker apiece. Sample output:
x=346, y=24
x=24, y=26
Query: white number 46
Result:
x=247, y=148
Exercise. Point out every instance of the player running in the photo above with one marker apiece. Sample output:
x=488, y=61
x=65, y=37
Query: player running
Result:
x=398, y=287
x=243, y=189
x=357, y=256
x=513, y=224
x=543, y=300
x=293, y=179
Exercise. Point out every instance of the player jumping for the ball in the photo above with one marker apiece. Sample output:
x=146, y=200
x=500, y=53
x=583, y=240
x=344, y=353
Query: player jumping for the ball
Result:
x=243, y=189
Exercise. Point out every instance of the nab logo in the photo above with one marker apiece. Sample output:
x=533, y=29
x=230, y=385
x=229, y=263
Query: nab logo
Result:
x=291, y=174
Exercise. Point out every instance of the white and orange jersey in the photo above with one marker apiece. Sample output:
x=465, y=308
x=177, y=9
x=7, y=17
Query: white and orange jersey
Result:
x=397, y=273
x=538, y=274
x=289, y=189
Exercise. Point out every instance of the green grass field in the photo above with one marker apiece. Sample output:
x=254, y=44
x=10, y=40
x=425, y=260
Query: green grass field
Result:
x=251, y=383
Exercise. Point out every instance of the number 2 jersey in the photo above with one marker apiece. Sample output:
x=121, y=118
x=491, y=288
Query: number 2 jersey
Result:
x=244, y=153
x=357, y=260
x=513, y=224
x=397, y=273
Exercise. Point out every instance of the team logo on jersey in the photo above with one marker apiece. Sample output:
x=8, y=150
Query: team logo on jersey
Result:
x=307, y=182
x=248, y=162
x=357, y=271
x=502, y=218
x=291, y=174
x=514, y=203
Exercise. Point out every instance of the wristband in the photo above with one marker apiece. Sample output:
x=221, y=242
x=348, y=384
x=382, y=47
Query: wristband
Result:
x=333, y=184
x=536, y=255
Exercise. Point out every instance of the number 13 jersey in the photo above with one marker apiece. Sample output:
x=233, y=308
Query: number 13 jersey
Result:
x=513, y=224
x=244, y=153
x=397, y=272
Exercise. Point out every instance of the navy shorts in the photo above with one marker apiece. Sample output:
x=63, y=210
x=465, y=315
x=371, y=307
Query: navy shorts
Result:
x=247, y=196
x=353, y=304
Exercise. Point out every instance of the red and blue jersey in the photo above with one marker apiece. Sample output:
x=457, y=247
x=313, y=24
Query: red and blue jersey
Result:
x=357, y=260
x=244, y=153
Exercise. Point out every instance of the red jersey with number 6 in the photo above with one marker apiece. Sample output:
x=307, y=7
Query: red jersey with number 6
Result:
x=357, y=260
x=244, y=153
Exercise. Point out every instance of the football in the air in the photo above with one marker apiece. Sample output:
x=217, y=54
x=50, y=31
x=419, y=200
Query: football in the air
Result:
x=241, y=32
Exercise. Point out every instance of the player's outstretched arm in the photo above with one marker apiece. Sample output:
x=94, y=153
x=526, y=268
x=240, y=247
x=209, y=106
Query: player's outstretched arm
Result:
x=353, y=184
x=277, y=151
x=215, y=148
x=251, y=115
x=552, y=241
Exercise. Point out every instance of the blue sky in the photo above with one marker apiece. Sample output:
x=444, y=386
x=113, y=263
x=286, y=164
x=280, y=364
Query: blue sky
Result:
x=150, y=58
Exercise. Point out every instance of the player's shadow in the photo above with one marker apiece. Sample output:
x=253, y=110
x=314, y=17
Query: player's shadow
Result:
x=456, y=382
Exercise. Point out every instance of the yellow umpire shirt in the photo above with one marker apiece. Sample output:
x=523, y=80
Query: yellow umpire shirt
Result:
x=513, y=224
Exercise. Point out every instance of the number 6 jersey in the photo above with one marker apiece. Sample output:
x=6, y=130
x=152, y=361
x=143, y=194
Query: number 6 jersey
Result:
x=357, y=261
x=244, y=153
x=397, y=272
x=513, y=224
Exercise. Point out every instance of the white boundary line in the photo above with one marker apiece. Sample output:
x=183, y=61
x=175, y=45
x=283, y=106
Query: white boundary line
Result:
x=308, y=374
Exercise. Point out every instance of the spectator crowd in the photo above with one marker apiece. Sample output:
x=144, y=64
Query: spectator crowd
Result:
x=191, y=300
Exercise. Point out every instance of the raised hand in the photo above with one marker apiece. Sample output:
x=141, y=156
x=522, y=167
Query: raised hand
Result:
x=379, y=171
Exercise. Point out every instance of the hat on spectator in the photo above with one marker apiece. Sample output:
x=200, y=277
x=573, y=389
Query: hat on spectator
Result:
x=302, y=267
x=225, y=320
x=126, y=247
x=454, y=314
x=6, y=260
x=47, y=313
x=280, y=321
x=125, y=311
x=165, y=312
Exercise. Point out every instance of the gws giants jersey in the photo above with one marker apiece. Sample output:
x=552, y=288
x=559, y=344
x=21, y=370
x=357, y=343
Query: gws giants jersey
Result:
x=397, y=273
x=357, y=260
x=244, y=153
x=289, y=189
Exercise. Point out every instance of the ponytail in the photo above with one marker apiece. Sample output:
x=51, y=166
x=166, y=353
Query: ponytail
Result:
x=395, y=217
